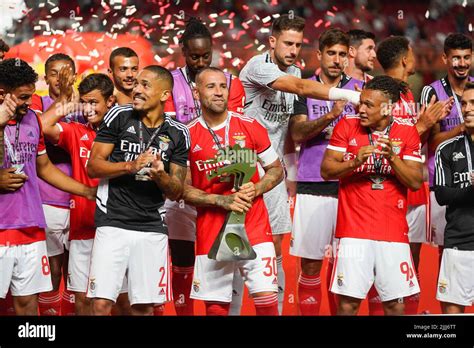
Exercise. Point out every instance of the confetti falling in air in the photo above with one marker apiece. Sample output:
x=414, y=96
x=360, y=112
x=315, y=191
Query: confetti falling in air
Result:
x=427, y=14
x=470, y=27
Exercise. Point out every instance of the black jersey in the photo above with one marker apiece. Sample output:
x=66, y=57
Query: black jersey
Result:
x=125, y=202
x=454, y=189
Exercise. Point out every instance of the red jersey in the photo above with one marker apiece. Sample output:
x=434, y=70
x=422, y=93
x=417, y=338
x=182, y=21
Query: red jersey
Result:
x=76, y=139
x=407, y=109
x=248, y=133
x=362, y=211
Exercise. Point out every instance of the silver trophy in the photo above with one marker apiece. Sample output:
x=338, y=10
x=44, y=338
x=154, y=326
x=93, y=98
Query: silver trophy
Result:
x=143, y=174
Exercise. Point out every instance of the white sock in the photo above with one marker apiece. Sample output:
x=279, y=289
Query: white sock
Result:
x=237, y=293
x=281, y=283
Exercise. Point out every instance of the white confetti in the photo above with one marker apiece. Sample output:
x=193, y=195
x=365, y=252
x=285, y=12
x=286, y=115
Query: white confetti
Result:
x=464, y=3
x=54, y=10
x=170, y=50
x=267, y=19
x=236, y=62
x=470, y=27
x=218, y=34
x=94, y=53
x=427, y=14
x=261, y=47
x=101, y=62
x=41, y=4
x=158, y=58
x=264, y=30
x=130, y=11
x=46, y=33
x=228, y=54
x=37, y=27
x=85, y=58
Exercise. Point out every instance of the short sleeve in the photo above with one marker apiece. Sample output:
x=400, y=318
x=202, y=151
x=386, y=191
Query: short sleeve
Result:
x=300, y=106
x=236, y=95
x=426, y=94
x=263, y=73
x=340, y=136
x=181, y=151
x=412, y=151
x=65, y=135
x=265, y=152
x=110, y=128
x=169, y=106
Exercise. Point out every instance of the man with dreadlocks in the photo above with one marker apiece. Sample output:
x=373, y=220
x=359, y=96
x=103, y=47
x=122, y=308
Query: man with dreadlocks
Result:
x=181, y=219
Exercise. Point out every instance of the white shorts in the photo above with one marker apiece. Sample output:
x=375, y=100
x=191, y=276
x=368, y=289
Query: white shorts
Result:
x=362, y=262
x=314, y=224
x=438, y=220
x=24, y=269
x=181, y=221
x=418, y=224
x=213, y=279
x=142, y=256
x=276, y=201
x=79, y=265
x=456, y=277
x=57, y=230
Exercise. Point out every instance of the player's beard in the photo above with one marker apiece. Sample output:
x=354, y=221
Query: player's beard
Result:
x=362, y=67
x=214, y=108
x=461, y=78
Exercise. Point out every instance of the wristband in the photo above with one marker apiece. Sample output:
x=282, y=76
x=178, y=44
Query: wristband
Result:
x=291, y=167
x=346, y=94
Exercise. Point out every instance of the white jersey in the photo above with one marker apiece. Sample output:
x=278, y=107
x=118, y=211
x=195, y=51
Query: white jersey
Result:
x=270, y=107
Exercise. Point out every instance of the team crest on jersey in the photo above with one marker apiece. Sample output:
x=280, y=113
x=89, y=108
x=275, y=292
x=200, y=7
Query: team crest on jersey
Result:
x=239, y=139
x=92, y=284
x=164, y=142
x=396, y=147
x=340, y=279
x=275, y=281
x=196, y=284
x=162, y=292
x=442, y=285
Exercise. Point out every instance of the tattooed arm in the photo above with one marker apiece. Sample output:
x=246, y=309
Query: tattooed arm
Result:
x=273, y=176
x=302, y=129
x=171, y=184
x=238, y=202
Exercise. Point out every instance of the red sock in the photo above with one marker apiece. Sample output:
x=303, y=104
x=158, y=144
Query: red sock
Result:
x=49, y=303
x=217, y=308
x=67, y=303
x=412, y=302
x=309, y=294
x=375, y=303
x=332, y=298
x=182, y=282
x=158, y=310
x=266, y=305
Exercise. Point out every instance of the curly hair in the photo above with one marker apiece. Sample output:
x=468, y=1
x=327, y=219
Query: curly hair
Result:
x=15, y=73
x=389, y=86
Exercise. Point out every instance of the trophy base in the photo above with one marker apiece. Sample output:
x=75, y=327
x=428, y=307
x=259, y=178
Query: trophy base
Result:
x=232, y=244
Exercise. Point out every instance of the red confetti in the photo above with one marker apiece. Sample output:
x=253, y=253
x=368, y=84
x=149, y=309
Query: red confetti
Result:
x=335, y=8
x=223, y=13
x=245, y=7
x=196, y=5
x=318, y=23
x=328, y=23
x=329, y=13
x=248, y=46
x=163, y=8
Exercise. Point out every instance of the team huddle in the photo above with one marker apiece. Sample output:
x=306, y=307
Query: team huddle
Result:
x=112, y=187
